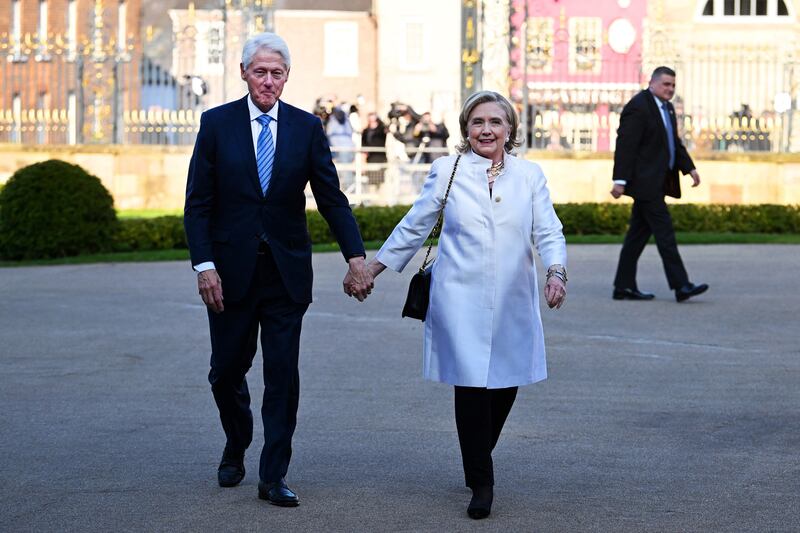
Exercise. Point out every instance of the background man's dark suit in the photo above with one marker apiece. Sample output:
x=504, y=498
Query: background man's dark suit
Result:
x=642, y=155
x=642, y=170
x=260, y=248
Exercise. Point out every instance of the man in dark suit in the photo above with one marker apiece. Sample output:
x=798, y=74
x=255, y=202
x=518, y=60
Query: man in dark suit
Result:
x=647, y=159
x=248, y=240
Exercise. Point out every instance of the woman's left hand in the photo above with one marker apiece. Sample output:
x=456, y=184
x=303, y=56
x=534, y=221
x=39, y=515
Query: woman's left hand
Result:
x=555, y=292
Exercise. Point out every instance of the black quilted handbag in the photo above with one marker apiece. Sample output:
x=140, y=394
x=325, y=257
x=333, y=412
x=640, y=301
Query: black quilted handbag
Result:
x=419, y=289
x=419, y=294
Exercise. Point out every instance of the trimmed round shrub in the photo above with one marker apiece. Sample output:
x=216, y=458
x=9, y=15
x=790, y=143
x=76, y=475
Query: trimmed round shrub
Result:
x=55, y=209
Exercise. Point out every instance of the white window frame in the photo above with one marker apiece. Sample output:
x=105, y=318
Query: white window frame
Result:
x=42, y=22
x=202, y=43
x=219, y=28
x=16, y=27
x=72, y=29
x=122, y=26
x=423, y=63
x=771, y=17
x=574, y=25
x=546, y=37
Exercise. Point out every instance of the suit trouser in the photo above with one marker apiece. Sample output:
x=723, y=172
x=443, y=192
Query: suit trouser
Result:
x=480, y=416
x=234, y=335
x=650, y=217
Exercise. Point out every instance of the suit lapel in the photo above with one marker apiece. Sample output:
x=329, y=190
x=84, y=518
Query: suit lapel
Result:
x=673, y=118
x=284, y=134
x=656, y=111
x=243, y=138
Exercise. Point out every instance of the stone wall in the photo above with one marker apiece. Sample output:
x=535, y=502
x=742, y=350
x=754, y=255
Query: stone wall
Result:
x=725, y=178
x=139, y=177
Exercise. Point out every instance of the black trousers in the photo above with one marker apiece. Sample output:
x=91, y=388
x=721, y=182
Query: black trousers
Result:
x=234, y=336
x=650, y=217
x=480, y=416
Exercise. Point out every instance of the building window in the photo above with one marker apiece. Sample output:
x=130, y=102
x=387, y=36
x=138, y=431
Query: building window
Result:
x=745, y=8
x=122, y=25
x=41, y=54
x=215, y=46
x=585, y=35
x=16, y=27
x=42, y=22
x=414, y=50
x=540, y=44
x=72, y=29
x=340, y=59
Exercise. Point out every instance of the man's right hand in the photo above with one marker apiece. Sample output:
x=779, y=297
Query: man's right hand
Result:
x=617, y=190
x=209, y=285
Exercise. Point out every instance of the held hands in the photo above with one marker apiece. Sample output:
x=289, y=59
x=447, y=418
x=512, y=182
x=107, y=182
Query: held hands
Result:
x=209, y=285
x=359, y=280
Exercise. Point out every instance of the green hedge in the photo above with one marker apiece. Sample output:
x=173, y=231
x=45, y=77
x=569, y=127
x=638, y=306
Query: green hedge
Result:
x=159, y=233
x=375, y=223
x=166, y=232
x=612, y=219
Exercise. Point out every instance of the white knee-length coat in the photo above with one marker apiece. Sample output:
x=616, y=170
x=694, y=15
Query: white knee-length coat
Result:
x=483, y=327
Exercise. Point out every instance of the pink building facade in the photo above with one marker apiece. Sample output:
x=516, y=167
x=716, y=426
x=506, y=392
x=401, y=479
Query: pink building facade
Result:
x=583, y=62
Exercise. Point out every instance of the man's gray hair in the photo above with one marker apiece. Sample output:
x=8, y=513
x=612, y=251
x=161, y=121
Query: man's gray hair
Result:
x=266, y=41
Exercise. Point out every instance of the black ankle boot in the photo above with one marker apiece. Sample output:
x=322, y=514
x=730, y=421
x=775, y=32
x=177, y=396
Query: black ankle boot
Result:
x=481, y=504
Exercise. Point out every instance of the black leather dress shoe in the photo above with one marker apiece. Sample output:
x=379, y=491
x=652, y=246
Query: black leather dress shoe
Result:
x=277, y=493
x=480, y=506
x=689, y=290
x=631, y=294
x=231, y=469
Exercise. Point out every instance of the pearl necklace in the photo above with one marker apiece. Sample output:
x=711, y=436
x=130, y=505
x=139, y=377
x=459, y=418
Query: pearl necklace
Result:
x=495, y=170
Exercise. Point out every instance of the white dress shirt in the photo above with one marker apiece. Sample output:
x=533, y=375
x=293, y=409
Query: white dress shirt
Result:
x=255, y=130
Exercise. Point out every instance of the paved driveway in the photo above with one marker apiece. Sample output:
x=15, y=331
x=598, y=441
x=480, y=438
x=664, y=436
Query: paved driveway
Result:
x=656, y=417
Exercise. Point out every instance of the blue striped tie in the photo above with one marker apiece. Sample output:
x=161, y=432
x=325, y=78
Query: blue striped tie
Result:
x=265, y=153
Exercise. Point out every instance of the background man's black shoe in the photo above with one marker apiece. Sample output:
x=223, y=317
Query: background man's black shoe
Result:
x=231, y=469
x=480, y=506
x=631, y=294
x=277, y=493
x=689, y=290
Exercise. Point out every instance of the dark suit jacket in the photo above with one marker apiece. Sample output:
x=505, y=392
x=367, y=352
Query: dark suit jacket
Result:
x=642, y=154
x=226, y=215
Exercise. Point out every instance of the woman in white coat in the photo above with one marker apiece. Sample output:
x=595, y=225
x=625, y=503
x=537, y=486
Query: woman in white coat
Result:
x=483, y=332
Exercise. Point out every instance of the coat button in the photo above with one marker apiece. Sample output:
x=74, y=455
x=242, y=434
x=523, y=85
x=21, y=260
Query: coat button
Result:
x=497, y=199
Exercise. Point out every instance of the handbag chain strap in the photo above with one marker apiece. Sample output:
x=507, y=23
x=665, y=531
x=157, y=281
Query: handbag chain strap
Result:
x=439, y=220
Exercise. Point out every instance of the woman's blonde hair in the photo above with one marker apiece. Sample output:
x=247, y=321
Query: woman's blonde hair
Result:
x=482, y=97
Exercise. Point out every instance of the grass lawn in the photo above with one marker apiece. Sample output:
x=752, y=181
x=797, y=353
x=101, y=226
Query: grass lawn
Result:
x=148, y=213
x=183, y=255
